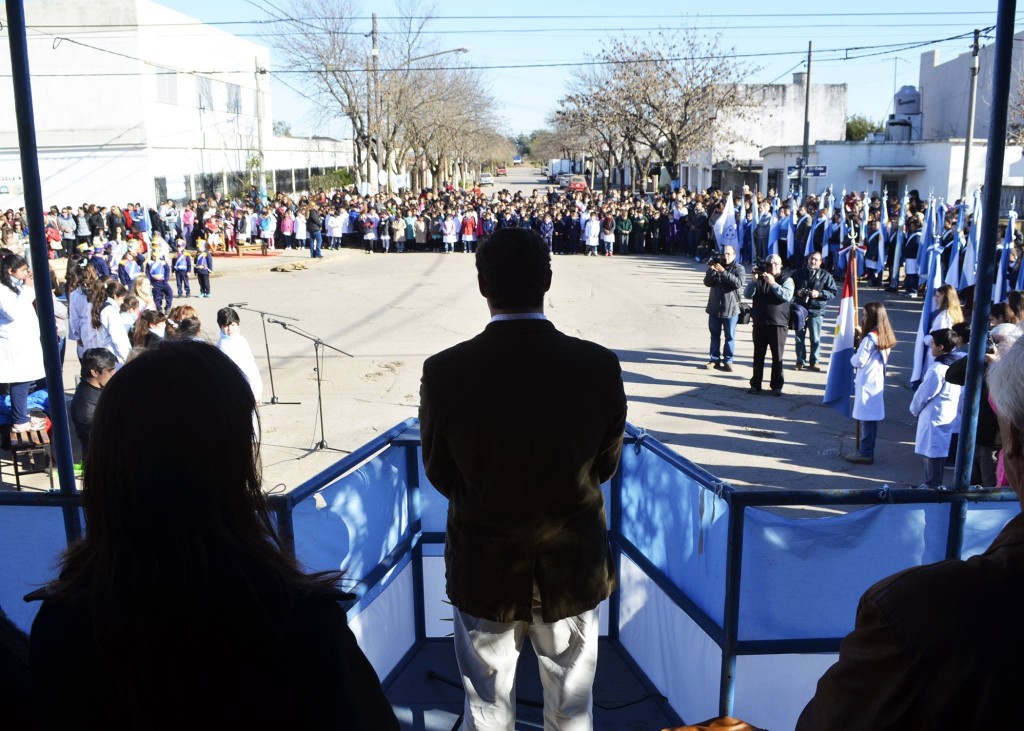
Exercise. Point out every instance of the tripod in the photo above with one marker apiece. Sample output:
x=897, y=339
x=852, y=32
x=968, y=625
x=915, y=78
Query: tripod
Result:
x=318, y=369
x=274, y=400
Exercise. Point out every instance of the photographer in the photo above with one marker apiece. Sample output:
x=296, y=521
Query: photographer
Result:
x=725, y=278
x=814, y=288
x=771, y=291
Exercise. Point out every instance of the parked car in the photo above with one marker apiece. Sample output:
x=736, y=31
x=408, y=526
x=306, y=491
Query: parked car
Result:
x=577, y=183
x=501, y=171
x=517, y=160
x=486, y=179
x=544, y=171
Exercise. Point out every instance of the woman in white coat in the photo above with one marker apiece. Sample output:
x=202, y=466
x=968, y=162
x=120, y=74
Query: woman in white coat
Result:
x=935, y=406
x=946, y=304
x=21, y=355
x=869, y=364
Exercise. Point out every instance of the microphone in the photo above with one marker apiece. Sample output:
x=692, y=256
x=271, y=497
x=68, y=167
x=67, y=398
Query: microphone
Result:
x=274, y=322
x=237, y=304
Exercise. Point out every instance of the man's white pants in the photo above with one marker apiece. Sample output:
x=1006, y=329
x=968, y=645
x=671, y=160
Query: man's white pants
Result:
x=566, y=652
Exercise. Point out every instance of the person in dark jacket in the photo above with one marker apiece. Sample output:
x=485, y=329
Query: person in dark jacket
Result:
x=178, y=605
x=520, y=426
x=813, y=287
x=98, y=365
x=314, y=227
x=771, y=292
x=725, y=278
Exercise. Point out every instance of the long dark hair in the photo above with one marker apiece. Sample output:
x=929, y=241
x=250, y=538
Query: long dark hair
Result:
x=876, y=320
x=100, y=294
x=145, y=323
x=166, y=527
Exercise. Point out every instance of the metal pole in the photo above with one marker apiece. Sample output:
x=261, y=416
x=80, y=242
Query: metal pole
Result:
x=37, y=244
x=807, y=119
x=970, y=116
x=369, y=120
x=375, y=56
x=259, y=135
x=988, y=239
x=731, y=614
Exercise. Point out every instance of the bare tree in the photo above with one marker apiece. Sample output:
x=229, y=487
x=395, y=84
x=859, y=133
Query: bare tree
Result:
x=657, y=97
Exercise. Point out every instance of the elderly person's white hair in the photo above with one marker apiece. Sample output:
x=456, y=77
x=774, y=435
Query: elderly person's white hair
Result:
x=1004, y=335
x=1006, y=384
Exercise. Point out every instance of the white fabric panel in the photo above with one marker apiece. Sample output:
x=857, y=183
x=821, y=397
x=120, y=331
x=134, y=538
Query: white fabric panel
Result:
x=772, y=690
x=984, y=521
x=356, y=520
x=437, y=612
x=31, y=541
x=681, y=527
x=386, y=628
x=803, y=578
x=680, y=660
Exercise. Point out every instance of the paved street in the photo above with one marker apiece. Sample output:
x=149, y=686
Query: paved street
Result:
x=392, y=311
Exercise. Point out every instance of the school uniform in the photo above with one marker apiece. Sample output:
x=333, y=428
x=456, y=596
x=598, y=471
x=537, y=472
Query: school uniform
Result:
x=182, y=264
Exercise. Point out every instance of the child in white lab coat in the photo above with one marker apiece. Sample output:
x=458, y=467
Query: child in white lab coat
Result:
x=935, y=406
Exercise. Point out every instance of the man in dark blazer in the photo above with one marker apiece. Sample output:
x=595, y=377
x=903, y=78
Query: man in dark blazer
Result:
x=520, y=426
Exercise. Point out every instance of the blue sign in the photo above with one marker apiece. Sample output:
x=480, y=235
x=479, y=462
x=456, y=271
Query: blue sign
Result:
x=816, y=171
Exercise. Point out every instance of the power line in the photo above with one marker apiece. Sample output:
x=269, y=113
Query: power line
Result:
x=280, y=19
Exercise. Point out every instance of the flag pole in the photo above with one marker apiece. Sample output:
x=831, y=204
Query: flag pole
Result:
x=852, y=258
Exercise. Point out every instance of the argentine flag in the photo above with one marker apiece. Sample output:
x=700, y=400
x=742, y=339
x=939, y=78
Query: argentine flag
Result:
x=839, y=381
x=725, y=226
x=927, y=314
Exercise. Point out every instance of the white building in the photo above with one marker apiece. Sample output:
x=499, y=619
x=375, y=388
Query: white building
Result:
x=772, y=115
x=945, y=91
x=137, y=102
x=929, y=166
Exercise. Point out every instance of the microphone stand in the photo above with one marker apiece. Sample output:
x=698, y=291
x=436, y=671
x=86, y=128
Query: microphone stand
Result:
x=270, y=369
x=318, y=369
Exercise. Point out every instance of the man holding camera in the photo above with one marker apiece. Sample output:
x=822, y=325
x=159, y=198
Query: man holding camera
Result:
x=771, y=291
x=814, y=288
x=725, y=278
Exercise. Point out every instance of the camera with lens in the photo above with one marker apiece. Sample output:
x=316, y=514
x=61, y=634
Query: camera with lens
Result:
x=718, y=259
x=760, y=267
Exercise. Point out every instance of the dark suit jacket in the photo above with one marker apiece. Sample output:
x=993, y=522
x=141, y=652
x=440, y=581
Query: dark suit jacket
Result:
x=520, y=426
x=934, y=647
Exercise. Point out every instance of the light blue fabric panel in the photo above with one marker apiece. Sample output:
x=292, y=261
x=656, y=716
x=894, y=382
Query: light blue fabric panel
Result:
x=679, y=526
x=772, y=690
x=356, y=520
x=802, y=578
x=31, y=541
x=984, y=521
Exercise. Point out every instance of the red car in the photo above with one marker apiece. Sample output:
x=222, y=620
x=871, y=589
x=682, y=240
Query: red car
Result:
x=577, y=183
x=501, y=171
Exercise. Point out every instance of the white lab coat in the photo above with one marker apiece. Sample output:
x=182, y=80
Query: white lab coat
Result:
x=21, y=354
x=941, y=321
x=592, y=231
x=935, y=406
x=237, y=348
x=869, y=381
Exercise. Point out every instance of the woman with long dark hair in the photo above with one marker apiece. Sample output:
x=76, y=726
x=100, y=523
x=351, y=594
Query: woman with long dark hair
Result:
x=178, y=609
x=105, y=328
x=21, y=355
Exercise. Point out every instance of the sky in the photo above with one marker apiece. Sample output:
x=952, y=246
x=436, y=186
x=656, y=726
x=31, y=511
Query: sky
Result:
x=865, y=45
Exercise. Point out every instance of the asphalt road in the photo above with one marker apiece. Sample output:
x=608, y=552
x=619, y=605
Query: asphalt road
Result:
x=392, y=311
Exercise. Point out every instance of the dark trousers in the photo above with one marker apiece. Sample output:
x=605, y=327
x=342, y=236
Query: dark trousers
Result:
x=19, y=402
x=204, y=281
x=181, y=279
x=162, y=295
x=767, y=337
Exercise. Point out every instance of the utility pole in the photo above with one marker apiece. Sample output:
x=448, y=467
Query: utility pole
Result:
x=970, y=114
x=369, y=120
x=375, y=57
x=807, y=121
x=259, y=135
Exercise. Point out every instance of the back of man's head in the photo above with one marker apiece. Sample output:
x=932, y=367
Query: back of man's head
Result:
x=514, y=268
x=96, y=359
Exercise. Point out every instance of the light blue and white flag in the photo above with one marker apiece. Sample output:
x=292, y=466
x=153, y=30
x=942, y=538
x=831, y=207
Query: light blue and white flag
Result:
x=969, y=273
x=839, y=381
x=1001, y=290
x=901, y=228
x=927, y=313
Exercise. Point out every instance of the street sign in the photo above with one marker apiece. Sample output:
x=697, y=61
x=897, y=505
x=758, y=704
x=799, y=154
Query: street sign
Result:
x=811, y=171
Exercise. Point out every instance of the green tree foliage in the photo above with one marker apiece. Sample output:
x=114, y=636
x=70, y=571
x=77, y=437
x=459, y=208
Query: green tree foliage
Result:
x=858, y=127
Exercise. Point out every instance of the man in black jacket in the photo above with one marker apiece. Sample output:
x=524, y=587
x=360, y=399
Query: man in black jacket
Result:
x=772, y=292
x=725, y=277
x=813, y=287
x=520, y=426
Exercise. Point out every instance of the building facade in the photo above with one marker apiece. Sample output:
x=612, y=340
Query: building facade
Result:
x=134, y=101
